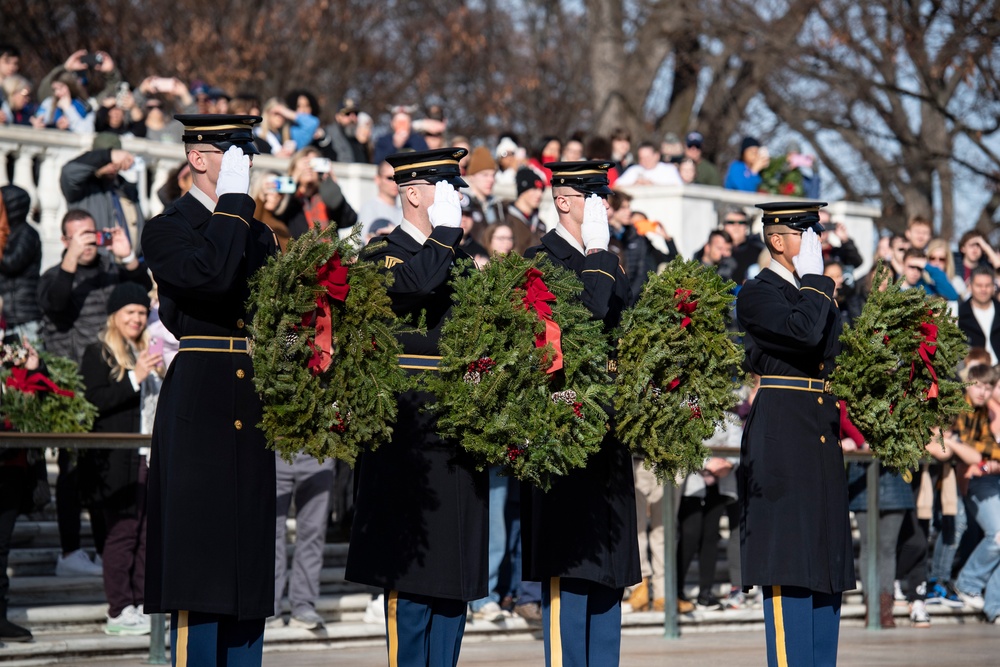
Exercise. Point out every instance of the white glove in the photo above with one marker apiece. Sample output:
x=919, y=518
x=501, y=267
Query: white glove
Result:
x=810, y=257
x=234, y=174
x=595, y=229
x=446, y=211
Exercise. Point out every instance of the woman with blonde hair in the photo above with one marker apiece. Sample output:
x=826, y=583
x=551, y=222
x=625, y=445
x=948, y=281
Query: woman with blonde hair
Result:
x=274, y=128
x=940, y=255
x=121, y=373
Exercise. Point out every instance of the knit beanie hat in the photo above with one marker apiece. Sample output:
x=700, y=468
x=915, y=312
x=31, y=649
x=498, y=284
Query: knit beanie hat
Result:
x=748, y=142
x=481, y=160
x=527, y=179
x=126, y=294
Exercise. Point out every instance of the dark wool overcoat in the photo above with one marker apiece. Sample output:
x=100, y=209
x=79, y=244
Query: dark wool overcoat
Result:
x=584, y=526
x=210, y=542
x=794, y=524
x=421, y=509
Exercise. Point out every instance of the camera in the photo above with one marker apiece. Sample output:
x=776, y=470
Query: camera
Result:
x=92, y=59
x=320, y=165
x=103, y=237
x=161, y=84
x=284, y=185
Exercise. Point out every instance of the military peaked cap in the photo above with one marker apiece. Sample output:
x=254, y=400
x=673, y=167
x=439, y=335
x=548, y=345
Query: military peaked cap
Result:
x=220, y=130
x=432, y=166
x=797, y=215
x=589, y=177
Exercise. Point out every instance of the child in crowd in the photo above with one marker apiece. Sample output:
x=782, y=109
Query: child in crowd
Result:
x=978, y=584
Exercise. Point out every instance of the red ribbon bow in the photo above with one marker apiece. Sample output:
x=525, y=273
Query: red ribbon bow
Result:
x=928, y=346
x=684, y=306
x=537, y=296
x=20, y=380
x=332, y=279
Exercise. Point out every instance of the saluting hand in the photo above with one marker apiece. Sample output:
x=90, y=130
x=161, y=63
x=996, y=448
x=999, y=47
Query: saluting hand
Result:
x=810, y=257
x=595, y=230
x=446, y=211
x=234, y=174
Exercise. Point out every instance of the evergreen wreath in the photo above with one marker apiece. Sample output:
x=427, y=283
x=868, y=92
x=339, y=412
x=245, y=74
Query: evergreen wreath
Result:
x=324, y=349
x=505, y=389
x=896, y=370
x=49, y=402
x=678, y=367
x=781, y=179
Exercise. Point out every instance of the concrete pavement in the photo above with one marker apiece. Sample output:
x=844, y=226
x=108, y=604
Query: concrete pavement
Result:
x=972, y=644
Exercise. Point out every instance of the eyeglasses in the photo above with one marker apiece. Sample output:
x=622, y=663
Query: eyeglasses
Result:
x=206, y=151
x=788, y=233
x=584, y=196
x=937, y=259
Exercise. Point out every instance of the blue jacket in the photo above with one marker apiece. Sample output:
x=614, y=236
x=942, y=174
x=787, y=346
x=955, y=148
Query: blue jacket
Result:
x=739, y=177
x=939, y=284
x=303, y=129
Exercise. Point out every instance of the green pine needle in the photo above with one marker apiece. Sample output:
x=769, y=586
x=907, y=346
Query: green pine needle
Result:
x=47, y=412
x=873, y=373
x=352, y=404
x=507, y=416
x=669, y=426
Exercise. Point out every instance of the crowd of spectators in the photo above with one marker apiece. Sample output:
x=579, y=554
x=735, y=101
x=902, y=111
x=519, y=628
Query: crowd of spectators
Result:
x=93, y=307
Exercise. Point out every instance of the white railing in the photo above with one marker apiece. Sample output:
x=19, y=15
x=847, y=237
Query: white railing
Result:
x=688, y=212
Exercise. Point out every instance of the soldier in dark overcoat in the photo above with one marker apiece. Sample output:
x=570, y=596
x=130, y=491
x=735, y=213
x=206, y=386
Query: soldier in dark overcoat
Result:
x=421, y=520
x=795, y=532
x=211, y=512
x=579, y=538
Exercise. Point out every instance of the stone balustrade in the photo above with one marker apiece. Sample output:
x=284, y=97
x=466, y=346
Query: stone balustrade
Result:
x=33, y=160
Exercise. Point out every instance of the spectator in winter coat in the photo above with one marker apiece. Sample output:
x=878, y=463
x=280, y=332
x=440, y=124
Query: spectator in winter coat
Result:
x=20, y=265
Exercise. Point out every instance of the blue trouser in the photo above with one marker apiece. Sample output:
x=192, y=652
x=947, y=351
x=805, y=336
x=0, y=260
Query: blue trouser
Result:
x=498, y=536
x=802, y=626
x=423, y=631
x=203, y=640
x=526, y=592
x=981, y=573
x=582, y=623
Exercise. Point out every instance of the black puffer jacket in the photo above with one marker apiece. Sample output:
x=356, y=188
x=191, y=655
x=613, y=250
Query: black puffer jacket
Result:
x=22, y=260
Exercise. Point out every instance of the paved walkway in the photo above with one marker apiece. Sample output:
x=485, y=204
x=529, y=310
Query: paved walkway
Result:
x=973, y=644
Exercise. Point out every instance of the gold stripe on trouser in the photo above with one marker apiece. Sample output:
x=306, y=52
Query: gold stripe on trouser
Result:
x=779, y=627
x=555, y=631
x=181, y=650
x=392, y=630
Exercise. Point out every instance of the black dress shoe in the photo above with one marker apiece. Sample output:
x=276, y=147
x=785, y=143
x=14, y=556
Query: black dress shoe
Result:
x=11, y=632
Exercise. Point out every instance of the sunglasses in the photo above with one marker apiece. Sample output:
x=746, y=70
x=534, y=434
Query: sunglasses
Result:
x=937, y=259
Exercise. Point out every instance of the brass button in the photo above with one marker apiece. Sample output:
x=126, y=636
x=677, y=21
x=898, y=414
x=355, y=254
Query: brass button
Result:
x=822, y=438
x=239, y=325
x=238, y=424
x=820, y=400
x=240, y=374
x=837, y=404
x=821, y=365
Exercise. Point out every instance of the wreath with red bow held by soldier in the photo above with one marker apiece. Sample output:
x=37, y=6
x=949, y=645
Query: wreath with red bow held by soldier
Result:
x=896, y=373
x=523, y=379
x=678, y=367
x=324, y=350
